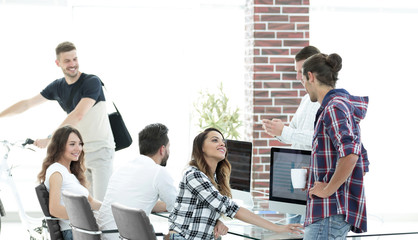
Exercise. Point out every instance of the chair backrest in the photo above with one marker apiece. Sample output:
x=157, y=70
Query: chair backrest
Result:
x=81, y=217
x=133, y=224
x=53, y=225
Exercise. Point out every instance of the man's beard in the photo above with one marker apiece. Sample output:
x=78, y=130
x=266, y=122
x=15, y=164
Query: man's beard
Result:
x=164, y=160
x=69, y=74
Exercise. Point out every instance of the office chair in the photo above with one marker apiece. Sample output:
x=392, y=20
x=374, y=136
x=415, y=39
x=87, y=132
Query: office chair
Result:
x=82, y=220
x=133, y=224
x=52, y=222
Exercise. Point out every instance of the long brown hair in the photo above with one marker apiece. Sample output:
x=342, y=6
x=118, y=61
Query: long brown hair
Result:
x=223, y=169
x=55, y=151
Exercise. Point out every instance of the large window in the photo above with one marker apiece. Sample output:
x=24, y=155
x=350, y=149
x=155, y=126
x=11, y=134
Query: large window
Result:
x=378, y=45
x=153, y=57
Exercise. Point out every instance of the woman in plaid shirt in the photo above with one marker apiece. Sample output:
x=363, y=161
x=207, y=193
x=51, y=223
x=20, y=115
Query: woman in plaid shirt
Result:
x=205, y=194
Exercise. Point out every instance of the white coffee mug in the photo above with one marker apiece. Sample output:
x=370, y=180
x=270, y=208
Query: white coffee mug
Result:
x=299, y=176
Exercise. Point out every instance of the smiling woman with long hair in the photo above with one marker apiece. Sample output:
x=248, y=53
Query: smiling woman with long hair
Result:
x=63, y=170
x=205, y=194
x=222, y=168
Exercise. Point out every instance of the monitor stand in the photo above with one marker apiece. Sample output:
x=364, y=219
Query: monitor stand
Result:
x=283, y=207
x=290, y=209
x=243, y=199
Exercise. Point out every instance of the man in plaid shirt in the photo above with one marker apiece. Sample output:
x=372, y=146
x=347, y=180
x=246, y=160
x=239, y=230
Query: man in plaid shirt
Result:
x=336, y=201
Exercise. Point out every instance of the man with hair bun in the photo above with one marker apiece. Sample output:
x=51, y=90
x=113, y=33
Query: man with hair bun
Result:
x=336, y=202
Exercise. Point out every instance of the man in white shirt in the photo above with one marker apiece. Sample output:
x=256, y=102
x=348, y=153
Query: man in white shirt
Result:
x=299, y=133
x=142, y=181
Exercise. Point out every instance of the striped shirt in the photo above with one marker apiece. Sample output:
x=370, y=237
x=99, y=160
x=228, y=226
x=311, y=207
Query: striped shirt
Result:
x=337, y=134
x=198, y=206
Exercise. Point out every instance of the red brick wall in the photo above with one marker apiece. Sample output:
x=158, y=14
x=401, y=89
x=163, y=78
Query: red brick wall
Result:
x=280, y=30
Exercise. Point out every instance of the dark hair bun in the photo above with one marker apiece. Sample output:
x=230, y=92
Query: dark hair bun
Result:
x=335, y=61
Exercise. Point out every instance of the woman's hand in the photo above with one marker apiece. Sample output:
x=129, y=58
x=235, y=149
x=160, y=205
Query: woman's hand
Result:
x=290, y=228
x=220, y=229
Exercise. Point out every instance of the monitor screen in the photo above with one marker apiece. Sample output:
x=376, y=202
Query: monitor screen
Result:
x=281, y=161
x=239, y=156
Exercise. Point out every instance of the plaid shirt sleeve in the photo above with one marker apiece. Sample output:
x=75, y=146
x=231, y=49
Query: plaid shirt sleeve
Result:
x=198, y=206
x=342, y=130
x=200, y=186
x=345, y=133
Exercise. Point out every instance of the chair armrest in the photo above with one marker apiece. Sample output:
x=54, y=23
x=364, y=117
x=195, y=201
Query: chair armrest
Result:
x=52, y=218
x=110, y=231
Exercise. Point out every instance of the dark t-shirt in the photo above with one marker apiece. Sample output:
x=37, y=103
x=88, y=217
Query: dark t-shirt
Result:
x=90, y=86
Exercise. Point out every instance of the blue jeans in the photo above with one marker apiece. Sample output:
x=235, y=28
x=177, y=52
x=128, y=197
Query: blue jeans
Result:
x=67, y=234
x=330, y=228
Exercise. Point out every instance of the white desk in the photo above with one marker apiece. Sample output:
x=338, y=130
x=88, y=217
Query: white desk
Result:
x=377, y=228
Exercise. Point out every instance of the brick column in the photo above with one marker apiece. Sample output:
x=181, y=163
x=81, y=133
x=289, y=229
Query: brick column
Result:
x=280, y=29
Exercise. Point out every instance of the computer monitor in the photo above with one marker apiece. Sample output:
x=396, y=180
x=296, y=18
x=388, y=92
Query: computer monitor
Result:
x=240, y=158
x=282, y=196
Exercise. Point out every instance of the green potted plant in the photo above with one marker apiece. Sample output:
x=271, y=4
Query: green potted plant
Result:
x=213, y=111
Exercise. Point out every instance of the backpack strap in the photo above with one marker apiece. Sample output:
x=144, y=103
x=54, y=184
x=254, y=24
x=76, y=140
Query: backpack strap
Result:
x=107, y=92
